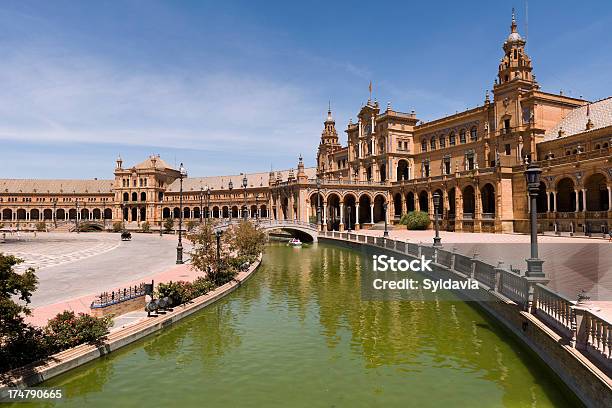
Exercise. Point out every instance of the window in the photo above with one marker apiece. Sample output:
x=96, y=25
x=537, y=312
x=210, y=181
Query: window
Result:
x=424, y=145
x=470, y=163
x=442, y=142
x=507, y=149
x=447, y=166
x=506, y=126
x=399, y=145
x=462, y=136
x=451, y=139
x=426, y=169
x=405, y=145
x=432, y=143
x=473, y=134
x=597, y=147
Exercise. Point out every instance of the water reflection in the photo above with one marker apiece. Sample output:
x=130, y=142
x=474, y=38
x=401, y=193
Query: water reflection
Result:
x=298, y=332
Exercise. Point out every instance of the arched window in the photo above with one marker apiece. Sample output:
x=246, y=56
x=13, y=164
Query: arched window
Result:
x=134, y=196
x=424, y=145
x=432, y=143
x=473, y=134
x=143, y=196
x=442, y=142
x=126, y=197
x=451, y=139
x=462, y=136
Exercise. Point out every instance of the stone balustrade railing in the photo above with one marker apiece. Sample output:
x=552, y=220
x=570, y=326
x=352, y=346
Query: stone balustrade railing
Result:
x=555, y=309
x=579, y=326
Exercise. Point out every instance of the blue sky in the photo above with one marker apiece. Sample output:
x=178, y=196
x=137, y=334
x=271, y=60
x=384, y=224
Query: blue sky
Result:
x=239, y=86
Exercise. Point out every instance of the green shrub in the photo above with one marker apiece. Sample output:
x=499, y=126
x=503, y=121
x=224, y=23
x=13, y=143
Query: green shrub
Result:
x=191, y=224
x=415, y=220
x=68, y=330
x=145, y=227
x=41, y=226
x=180, y=291
x=117, y=226
x=202, y=286
x=168, y=224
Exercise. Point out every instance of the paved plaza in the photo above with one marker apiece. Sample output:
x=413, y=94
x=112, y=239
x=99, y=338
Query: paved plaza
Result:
x=73, y=268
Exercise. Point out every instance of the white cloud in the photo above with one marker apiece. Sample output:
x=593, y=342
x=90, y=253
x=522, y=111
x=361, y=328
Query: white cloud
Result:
x=58, y=96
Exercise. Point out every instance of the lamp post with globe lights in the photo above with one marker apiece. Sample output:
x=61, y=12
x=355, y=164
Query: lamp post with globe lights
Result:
x=230, y=186
x=244, y=187
x=534, y=264
x=436, y=202
x=179, y=247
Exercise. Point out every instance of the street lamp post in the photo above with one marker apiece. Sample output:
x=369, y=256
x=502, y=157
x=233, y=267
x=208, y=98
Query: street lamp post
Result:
x=201, y=205
x=319, y=219
x=257, y=207
x=54, y=212
x=436, y=202
x=348, y=209
x=179, y=247
x=77, y=216
x=207, y=204
x=534, y=264
x=231, y=187
x=386, y=233
x=218, y=236
x=244, y=186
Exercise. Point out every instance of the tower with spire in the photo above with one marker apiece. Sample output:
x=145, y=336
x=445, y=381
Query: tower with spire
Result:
x=329, y=141
x=515, y=65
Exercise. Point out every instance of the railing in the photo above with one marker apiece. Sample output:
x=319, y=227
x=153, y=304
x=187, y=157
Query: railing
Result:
x=598, y=338
x=514, y=287
x=121, y=295
x=554, y=309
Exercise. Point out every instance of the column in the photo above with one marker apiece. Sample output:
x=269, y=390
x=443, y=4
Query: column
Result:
x=554, y=206
x=576, y=194
x=342, y=216
x=549, y=195
x=609, y=198
x=404, y=208
x=325, y=213
x=584, y=199
x=417, y=203
x=458, y=209
x=357, y=215
x=372, y=213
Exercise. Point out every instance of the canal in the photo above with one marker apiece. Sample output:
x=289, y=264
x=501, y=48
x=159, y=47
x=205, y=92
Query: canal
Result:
x=298, y=335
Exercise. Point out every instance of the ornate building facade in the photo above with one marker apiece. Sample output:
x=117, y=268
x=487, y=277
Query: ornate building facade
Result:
x=475, y=160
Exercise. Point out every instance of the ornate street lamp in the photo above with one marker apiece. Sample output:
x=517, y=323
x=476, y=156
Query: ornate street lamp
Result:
x=257, y=207
x=54, y=210
x=179, y=247
x=436, y=202
x=207, y=204
x=244, y=186
x=349, y=218
x=534, y=264
x=386, y=233
x=218, y=234
x=319, y=219
x=231, y=187
x=201, y=205
x=77, y=216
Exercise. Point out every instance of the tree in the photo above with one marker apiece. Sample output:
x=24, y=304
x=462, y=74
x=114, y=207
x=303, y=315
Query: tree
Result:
x=168, y=224
x=117, y=226
x=246, y=239
x=13, y=284
x=204, y=252
x=145, y=226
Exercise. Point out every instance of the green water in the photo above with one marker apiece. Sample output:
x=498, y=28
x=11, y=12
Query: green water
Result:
x=297, y=335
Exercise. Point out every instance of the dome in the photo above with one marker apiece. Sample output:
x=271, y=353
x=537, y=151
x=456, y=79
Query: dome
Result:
x=514, y=37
